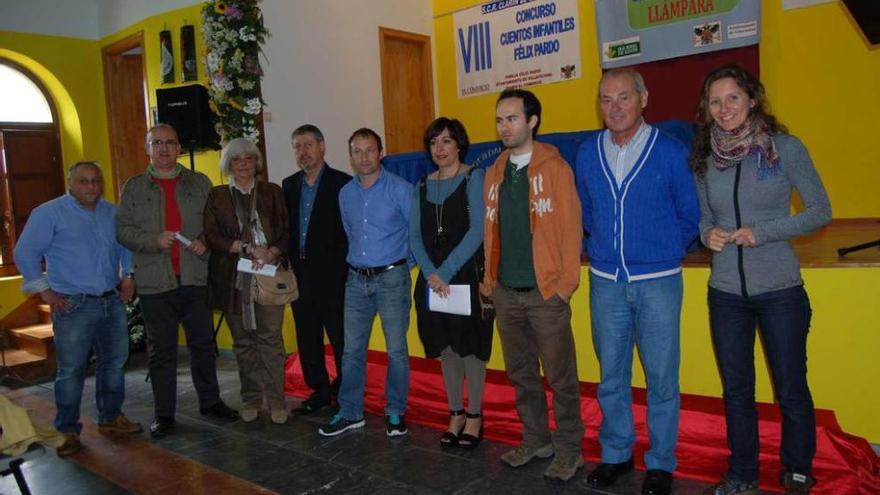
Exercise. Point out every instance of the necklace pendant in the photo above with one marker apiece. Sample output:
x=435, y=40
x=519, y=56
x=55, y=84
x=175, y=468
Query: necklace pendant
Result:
x=440, y=229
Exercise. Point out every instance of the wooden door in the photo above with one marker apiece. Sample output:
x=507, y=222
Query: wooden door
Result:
x=407, y=88
x=125, y=91
x=31, y=173
x=7, y=224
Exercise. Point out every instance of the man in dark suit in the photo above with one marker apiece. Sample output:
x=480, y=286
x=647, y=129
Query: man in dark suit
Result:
x=318, y=247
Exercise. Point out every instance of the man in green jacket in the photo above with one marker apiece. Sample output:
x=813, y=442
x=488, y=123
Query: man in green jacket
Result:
x=160, y=221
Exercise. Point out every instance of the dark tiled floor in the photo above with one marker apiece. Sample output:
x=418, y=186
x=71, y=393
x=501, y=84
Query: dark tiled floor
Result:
x=293, y=458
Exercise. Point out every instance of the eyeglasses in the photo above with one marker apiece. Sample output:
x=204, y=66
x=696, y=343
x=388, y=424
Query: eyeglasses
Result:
x=159, y=143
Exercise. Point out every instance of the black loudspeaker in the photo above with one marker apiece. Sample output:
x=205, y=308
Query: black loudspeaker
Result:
x=186, y=109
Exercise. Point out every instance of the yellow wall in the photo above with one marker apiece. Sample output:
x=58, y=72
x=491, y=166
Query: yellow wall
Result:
x=567, y=106
x=71, y=70
x=10, y=294
x=206, y=162
x=822, y=79
x=818, y=72
x=824, y=83
x=841, y=346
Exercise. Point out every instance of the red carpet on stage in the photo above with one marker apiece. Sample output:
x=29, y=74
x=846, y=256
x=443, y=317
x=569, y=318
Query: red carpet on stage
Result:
x=844, y=464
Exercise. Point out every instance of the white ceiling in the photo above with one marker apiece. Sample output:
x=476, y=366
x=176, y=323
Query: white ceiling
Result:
x=88, y=19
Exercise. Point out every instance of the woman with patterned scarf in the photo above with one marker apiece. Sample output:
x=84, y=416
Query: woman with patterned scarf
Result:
x=746, y=166
x=248, y=219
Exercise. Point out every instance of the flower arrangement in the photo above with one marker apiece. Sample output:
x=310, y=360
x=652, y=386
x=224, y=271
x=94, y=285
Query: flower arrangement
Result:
x=233, y=32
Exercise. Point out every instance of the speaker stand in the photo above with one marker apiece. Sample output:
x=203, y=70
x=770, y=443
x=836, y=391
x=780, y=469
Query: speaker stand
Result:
x=192, y=159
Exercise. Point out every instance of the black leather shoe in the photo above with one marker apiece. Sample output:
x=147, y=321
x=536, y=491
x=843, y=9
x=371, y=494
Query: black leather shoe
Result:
x=606, y=473
x=657, y=482
x=220, y=411
x=309, y=406
x=161, y=426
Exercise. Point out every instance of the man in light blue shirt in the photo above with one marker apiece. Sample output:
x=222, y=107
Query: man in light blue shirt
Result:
x=375, y=209
x=88, y=278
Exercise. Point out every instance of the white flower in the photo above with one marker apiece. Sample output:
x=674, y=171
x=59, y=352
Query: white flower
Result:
x=252, y=134
x=246, y=34
x=221, y=83
x=253, y=106
x=220, y=33
x=235, y=62
x=213, y=61
x=246, y=84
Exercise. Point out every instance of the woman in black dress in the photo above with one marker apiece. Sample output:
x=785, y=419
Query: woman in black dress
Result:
x=446, y=237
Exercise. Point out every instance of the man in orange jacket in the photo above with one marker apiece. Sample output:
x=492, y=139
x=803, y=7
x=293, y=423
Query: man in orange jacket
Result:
x=532, y=241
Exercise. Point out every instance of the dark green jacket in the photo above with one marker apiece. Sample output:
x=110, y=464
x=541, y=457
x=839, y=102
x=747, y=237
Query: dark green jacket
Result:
x=141, y=218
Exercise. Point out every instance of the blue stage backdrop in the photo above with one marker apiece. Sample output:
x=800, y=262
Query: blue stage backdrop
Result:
x=416, y=165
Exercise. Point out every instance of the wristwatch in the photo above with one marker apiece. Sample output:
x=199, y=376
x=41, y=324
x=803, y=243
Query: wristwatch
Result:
x=130, y=276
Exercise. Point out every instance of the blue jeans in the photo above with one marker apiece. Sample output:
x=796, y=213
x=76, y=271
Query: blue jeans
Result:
x=646, y=313
x=90, y=322
x=783, y=319
x=387, y=294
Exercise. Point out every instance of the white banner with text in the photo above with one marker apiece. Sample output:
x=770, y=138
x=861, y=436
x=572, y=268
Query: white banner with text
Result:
x=515, y=44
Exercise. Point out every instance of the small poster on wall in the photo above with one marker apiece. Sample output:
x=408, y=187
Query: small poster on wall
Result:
x=166, y=57
x=638, y=32
x=188, y=53
x=516, y=43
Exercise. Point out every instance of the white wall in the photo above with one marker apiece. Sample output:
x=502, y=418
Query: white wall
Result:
x=322, y=67
x=321, y=61
x=68, y=18
x=89, y=19
x=116, y=15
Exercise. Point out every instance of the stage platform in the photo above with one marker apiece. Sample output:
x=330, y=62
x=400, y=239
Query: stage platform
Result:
x=844, y=464
x=819, y=250
x=843, y=370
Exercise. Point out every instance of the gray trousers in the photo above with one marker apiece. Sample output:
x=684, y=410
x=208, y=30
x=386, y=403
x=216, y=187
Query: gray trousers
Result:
x=455, y=370
x=260, y=356
x=536, y=333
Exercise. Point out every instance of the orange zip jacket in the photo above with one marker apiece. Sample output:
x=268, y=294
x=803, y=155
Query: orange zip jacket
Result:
x=554, y=220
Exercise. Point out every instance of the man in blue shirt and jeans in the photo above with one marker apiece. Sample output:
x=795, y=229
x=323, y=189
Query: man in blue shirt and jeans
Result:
x=375, y=209
x=87, y=280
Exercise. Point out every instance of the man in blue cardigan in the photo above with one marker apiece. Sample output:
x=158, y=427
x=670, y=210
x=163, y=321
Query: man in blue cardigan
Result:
x=640, y=210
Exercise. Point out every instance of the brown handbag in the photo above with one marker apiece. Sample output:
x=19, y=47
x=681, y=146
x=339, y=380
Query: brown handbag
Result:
x=278, y=290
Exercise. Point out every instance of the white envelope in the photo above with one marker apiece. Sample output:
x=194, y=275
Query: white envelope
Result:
x=245, y=265
x=458, y=302
x=182, y=239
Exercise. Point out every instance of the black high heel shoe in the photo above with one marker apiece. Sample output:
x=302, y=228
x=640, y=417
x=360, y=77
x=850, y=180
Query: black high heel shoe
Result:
x=449, y=439
x=468, y=441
